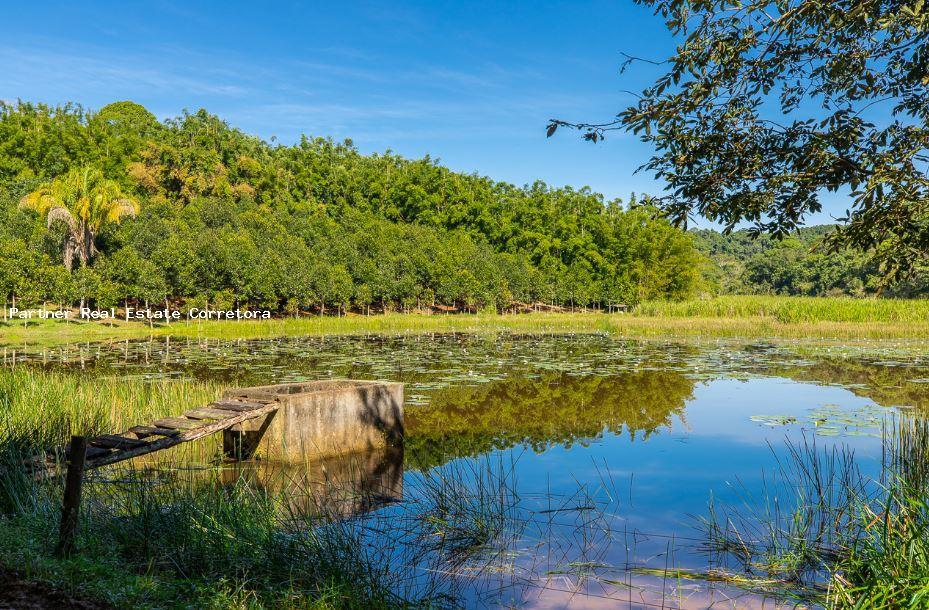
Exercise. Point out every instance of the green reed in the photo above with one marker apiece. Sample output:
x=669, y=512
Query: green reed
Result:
x=53, y=405
x=828, y=535
x=793, y=309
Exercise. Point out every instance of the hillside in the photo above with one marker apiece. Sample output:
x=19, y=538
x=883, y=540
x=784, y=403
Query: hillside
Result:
x=213, y=216
x=740, y=263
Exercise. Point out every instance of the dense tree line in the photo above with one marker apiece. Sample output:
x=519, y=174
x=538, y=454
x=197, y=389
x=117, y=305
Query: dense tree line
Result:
x=113, y=207
x=744, y=263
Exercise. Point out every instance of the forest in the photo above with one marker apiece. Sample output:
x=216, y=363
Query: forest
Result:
x=800, y=264
x=114, y=207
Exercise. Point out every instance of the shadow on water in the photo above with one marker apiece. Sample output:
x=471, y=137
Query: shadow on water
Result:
x=327, y=489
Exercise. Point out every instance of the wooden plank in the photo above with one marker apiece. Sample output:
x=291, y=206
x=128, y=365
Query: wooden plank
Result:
x=252, y=394
x=236, y=405
x=146, y=431
x=95, y=452
x=178, y=423
x=207, y=413
x=91, y=451
x=256, y=396
x=113, y=441
x=183, y=437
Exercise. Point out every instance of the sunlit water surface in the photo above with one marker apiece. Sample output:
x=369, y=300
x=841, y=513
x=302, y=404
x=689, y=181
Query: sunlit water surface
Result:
x=609, y=451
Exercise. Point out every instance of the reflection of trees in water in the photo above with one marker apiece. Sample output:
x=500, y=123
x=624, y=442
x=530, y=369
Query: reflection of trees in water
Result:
x=553, y=408
x=886, y=384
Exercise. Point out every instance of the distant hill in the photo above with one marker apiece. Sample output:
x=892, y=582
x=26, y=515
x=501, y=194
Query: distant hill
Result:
x=742, y=264
x=225, y=219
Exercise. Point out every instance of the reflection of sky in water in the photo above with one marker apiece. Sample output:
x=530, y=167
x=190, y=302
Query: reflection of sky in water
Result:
x=670, y=475
x=661, y=484
x=706, y=420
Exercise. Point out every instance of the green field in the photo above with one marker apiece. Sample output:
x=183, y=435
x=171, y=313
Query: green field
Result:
x=730, y=316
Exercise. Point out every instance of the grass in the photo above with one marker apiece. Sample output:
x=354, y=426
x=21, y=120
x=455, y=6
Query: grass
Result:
x=470, y=510
x=794, y=310
x=830, y=536
x=730, y=316
x=53, y=405
x=163, y=536
x=179, y=544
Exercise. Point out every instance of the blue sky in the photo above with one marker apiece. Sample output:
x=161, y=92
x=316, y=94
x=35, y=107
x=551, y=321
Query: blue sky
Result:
x=473, y=84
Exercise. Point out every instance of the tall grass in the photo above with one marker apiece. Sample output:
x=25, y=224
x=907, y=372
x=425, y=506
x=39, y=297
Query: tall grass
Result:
x=831, y=534
x=52, y=405
x=196, y=543
x=789, y=310
x=40, y=410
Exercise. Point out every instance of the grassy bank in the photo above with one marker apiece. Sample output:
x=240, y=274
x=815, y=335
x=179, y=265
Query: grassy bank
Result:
x=825, y=534
x=733, y=316
x=171, y=537
x=794, y=310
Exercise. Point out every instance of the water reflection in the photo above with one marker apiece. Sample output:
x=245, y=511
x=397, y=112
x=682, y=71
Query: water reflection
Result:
x=552, y=408
x=887, y=383
x=613, y=446
x=331, y=488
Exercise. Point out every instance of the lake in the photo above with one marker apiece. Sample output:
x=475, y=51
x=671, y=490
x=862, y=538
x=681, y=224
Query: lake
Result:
x=599, y=456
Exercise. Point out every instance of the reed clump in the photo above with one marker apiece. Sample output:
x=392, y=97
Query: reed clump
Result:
x=48, y=406
x=831, y=536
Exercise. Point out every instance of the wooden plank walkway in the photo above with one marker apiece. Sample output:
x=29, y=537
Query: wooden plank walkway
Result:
x=168, y=432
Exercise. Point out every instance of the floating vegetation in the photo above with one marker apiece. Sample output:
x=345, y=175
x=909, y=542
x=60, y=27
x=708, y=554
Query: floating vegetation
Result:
x=774, y=420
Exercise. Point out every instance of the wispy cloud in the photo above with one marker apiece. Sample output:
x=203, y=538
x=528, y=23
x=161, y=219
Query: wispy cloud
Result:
x=379, y=102
x=76, y=73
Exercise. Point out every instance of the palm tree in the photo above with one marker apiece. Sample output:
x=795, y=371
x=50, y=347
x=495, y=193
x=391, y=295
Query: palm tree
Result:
x=85, y=201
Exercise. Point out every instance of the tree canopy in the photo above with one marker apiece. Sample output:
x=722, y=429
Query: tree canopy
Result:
x=767, y=105
x=85, y=202
x=227, y=219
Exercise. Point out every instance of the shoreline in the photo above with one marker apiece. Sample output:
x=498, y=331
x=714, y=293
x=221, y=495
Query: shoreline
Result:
x=620, y=325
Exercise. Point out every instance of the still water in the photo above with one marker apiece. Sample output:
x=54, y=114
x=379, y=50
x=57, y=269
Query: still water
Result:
x=603, y=453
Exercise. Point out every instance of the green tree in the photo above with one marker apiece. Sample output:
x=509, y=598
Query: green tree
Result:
x=86, y=202
x=17, y=266
x=86, y=284
x=767, y=105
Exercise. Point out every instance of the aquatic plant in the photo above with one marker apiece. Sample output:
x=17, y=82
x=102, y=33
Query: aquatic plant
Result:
x=827, y=534
x=469, y=509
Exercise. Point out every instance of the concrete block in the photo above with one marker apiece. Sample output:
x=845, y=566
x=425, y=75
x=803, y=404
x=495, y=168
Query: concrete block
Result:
x=318, y=419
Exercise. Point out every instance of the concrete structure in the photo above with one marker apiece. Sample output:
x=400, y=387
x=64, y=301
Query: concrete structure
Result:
x=318, y=419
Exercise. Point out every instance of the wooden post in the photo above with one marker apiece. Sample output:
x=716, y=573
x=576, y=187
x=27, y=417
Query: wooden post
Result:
x=72, y=499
